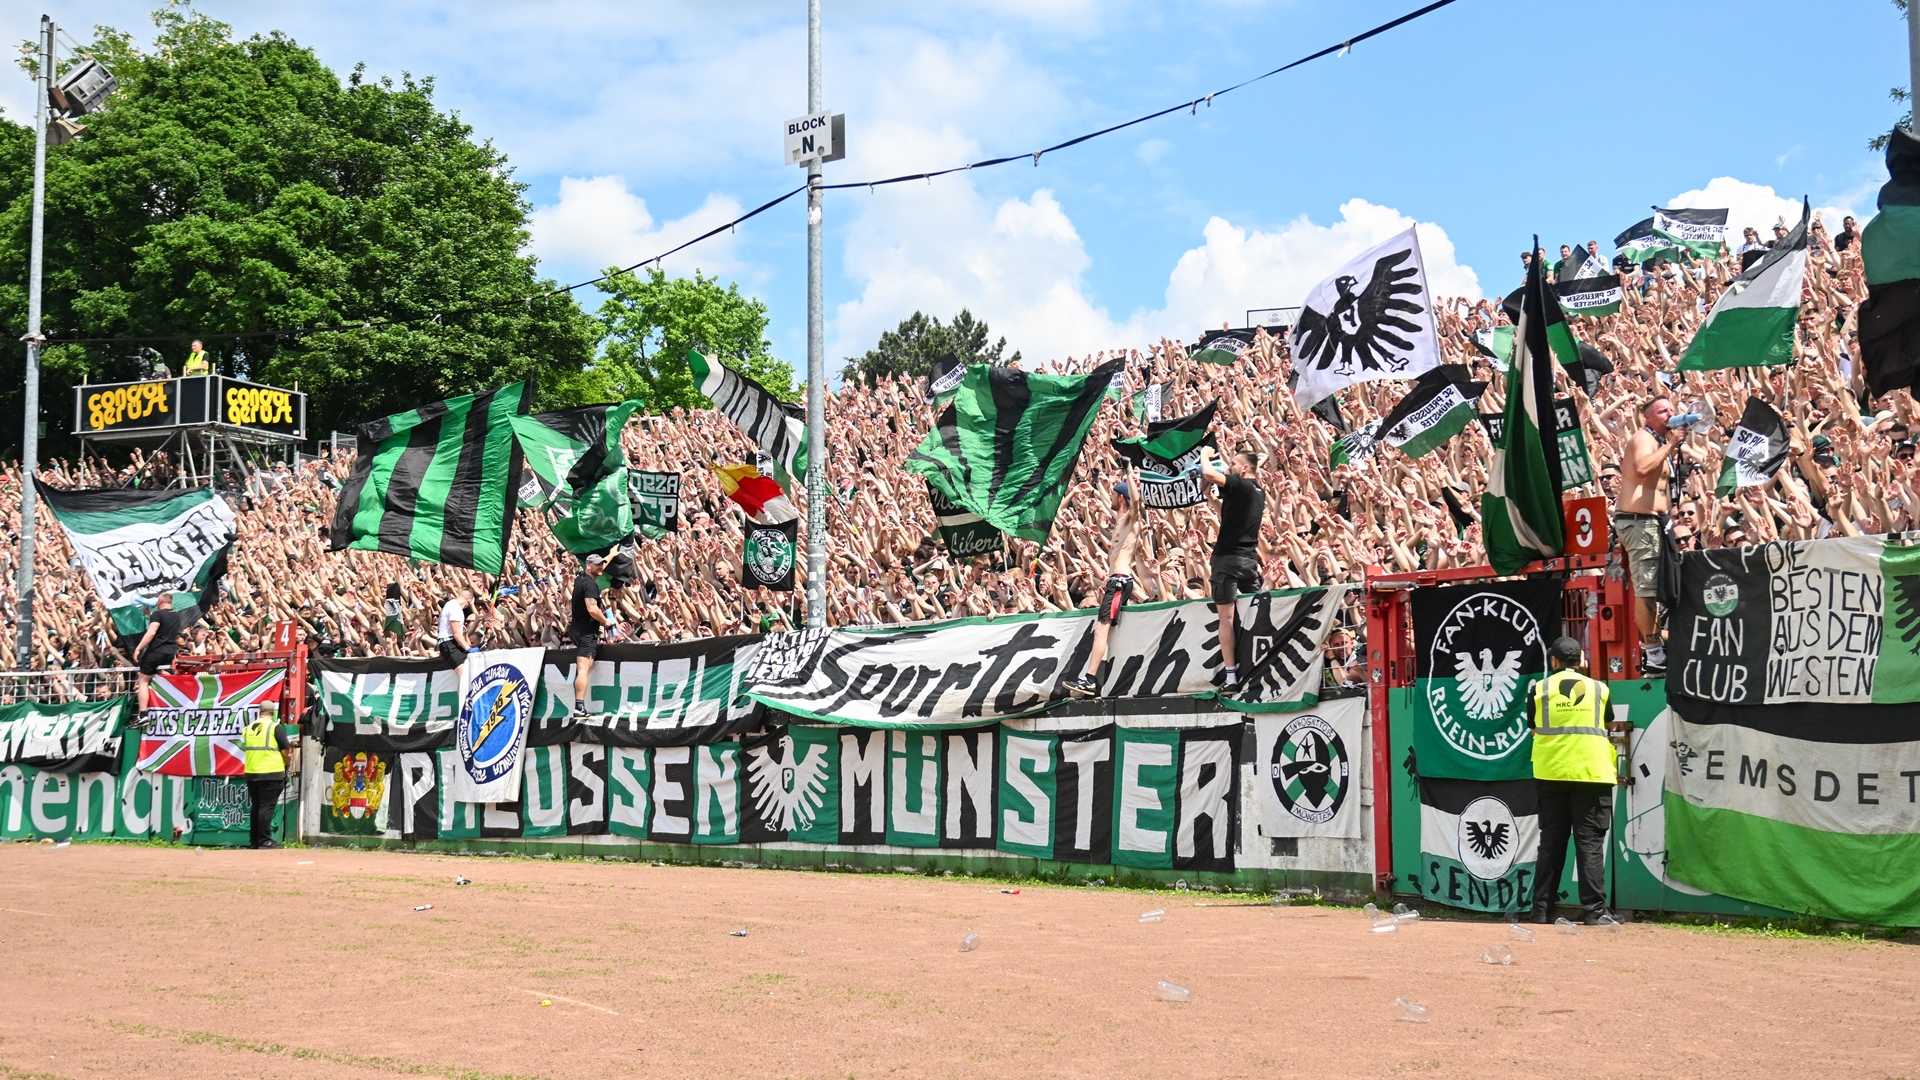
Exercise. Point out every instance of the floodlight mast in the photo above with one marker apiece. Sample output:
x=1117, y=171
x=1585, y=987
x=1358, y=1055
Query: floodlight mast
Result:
x=30, y=426
x=816, y=357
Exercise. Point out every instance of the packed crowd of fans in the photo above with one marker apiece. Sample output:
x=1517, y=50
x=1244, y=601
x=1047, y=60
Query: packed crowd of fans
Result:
x=1853, y=472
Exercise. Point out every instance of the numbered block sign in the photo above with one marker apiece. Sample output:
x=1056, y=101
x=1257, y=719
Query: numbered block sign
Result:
x=1586, y=526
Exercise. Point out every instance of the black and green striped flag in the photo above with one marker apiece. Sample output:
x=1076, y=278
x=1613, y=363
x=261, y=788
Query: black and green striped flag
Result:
x=1005, y=446
x=436, y=483
x=1890, y=248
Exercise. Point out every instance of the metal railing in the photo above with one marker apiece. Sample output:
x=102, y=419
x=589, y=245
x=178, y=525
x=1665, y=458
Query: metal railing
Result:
x=61, y=686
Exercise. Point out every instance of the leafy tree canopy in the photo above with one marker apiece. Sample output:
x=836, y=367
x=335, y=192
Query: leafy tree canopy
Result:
x=912, y=347
x=237, y=186
x=650, y=322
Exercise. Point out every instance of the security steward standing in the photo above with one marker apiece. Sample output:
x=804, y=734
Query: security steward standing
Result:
x=268, y=751
x=1574, y=771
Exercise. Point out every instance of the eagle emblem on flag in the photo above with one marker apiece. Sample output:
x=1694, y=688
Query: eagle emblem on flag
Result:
x=1486, y=688
x=1365, y=325
x=787, y=792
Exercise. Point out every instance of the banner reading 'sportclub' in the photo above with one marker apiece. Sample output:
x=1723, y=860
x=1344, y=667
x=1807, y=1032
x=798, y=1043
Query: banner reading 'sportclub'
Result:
x=1479, y=648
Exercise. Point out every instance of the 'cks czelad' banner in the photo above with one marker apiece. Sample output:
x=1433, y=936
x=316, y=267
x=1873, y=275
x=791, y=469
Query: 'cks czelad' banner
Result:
x=1479, y=649
x=1152, y=799
x=969, y=671
x=638, y=694
x=1772, y=794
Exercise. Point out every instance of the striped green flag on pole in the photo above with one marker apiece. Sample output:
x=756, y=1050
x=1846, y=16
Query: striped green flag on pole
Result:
x=437, y=483
x=1520, y=510
x=1753, y=322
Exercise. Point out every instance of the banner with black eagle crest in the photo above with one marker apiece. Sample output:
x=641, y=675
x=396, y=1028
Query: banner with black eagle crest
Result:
x=1373, y=319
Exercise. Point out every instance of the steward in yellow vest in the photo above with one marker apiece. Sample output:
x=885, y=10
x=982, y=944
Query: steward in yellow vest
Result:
x=1574, y=773
x=268, y=750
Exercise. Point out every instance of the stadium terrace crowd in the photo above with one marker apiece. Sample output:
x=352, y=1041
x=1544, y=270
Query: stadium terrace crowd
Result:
x=1852, y=472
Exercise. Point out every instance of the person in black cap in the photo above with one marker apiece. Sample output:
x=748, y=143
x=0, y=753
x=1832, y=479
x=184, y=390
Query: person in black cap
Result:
x=585, y=623
x=1574, y=773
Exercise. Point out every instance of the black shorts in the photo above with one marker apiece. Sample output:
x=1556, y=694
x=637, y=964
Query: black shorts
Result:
x=452, y=653
x=1234, y=576
x=1113, y=597
x=153, y=660
x=586, y=644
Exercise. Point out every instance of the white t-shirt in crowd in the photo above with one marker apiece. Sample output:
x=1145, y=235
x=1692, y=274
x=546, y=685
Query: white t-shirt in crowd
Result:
x=450, y=612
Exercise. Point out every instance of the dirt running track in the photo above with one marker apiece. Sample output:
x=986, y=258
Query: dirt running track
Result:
x=131, y=961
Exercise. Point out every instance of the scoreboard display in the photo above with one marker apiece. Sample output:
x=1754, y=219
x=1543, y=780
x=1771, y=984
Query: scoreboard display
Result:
x=150, y=406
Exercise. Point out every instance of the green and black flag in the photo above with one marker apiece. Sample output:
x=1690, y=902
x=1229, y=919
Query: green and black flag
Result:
x=140, y=544
x=1222, y=346
x=1586, y=287
x=1699, y=231
x=1438, y=406
x=962, y=530
x=1890, y=248
x=773, y=425
x=770, y=554
x=1756, y=449
x=1167, y=441
x=579, y=472
x=1640, y=244
x=437, y=483
x=1006, y=444
x=1520, y=511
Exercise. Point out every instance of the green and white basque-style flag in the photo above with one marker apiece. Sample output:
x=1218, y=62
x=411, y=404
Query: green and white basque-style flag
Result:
x=139, y=544
x=1479, y=842
x=763, y=418
x=1439, y=405
x=1753, y=322
x=1640, y=244
x=579, y=472
x=437, y=483
x=1494, y=343
x=1006, y=444
x=1702, y=232
x=1755, y=451
x=1588, y=288
x=1222, y=346
x=1520, y=510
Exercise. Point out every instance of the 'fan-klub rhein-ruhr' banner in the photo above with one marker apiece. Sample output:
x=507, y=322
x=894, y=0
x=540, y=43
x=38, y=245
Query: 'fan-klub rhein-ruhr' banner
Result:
x=1479, y=648
x=193, y=722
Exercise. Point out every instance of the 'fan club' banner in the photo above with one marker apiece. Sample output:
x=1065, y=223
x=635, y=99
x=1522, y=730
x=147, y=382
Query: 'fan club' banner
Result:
x=1479, y=648
x=638, y=694
x=979, y=670
x=1152, y=799
x=193, y=722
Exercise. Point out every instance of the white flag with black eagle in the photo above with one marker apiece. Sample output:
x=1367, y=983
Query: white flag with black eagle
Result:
x=1373, y=319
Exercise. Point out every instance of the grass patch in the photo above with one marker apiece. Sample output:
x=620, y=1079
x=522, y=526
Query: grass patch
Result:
x=358, y=1061
x=1799, y=927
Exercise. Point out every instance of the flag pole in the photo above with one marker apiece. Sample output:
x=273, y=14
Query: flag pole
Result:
x=30, y=426
x=816, y=357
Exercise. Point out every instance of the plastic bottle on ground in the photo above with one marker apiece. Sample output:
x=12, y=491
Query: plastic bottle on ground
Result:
x=1153, y=916
x=1371, y=911
x=1519, y=933
x=1565, y=925
x=1496, y=954
x=970, y=943
x=1401, y=909
x=1172, y=991
x=1386, y=926
x=1408, y=1011
x=1408, y=915
x=1612, y=923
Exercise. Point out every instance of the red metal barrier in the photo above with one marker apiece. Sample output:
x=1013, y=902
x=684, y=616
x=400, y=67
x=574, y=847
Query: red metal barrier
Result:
x=293, y=658
x=1598, y=614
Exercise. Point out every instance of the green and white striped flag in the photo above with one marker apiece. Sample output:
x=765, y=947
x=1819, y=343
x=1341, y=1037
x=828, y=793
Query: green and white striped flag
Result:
x=1641, y=244
x=1702, y=232
x=580, y=472
x=1587, y=287
x=763, y=418
x=1753, y=322
x=1520, y=511
x=1006, y=444
x=437, y=483
x=139, y=544
x=1436, y=408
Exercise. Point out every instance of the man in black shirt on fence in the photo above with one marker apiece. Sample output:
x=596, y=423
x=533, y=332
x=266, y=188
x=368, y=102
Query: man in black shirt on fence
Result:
x=159, y=645
x=585, y=623
x=1236, y=553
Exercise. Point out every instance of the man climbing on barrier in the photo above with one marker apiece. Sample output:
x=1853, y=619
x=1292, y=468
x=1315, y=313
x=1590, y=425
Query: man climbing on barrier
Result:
x=1574, y=770
x=1129, y=519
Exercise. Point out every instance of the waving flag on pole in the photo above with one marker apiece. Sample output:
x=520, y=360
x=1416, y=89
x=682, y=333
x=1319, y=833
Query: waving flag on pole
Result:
x=762, y=417
x=1640, y=244
x=1520, y=511
x=1699, y=231
x=1587, y=287
x=1439, y=406
x=1890, y=249
x=1755, y=451
x=138, y=544
x=580, y=470
x=1006, y=444
x=1373, y=319
x=1753, y=322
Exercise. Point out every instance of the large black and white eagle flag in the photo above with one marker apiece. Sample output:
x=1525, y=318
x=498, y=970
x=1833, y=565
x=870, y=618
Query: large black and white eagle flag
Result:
x=1373, y=319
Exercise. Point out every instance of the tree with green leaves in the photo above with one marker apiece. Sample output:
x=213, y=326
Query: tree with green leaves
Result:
x=650, y=322
x=237, y=187
x=1900, y=95
x=912, y=348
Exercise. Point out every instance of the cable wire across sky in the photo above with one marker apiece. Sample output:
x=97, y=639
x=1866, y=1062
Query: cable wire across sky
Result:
x=1191, y=106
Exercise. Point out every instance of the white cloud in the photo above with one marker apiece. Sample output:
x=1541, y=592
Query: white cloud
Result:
x=599, y=223
x=1020, y=265
x=1758, y=206
x=1152, y=150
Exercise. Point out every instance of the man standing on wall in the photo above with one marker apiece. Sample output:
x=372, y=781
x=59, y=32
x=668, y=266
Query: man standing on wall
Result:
x=585, y=623
x=158, y=646
x=1574, y=770
x=1639, y=520
x=451, y=634
x=1129, y=516
x=1235, y=566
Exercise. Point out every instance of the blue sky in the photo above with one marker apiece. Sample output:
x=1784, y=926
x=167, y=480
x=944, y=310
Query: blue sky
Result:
x=639, y=125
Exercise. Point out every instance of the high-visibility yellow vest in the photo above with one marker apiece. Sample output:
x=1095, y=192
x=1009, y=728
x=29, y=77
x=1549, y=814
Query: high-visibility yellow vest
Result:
x=1569, y=715
x=262, y=750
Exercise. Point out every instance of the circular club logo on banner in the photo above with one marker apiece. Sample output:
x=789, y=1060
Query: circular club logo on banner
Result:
x=1480, y=653
x=1309, y=769
x=769, y=555
x=492, y=720
x=1720, y=596
x=1489, y=838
